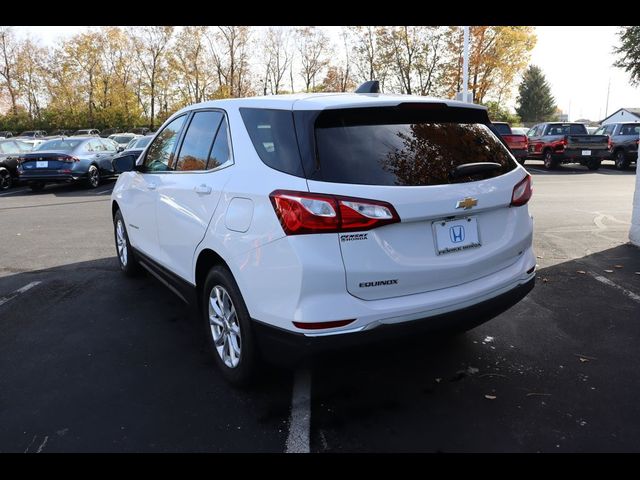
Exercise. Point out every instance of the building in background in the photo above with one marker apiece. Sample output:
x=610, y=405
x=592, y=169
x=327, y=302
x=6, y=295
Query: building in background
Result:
x=623, y=115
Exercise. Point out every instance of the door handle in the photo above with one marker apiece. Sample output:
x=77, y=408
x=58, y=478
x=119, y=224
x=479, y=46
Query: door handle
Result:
x=206, y=189
x=151, y=186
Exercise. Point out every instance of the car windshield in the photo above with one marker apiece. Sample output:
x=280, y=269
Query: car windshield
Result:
x=139, y=142
x=61, y=145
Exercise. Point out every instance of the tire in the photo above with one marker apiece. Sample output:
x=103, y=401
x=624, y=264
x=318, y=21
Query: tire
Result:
x=5, y=180
x=593, y=164
x=36, y=186
x=621, y=162
x=549, y=162
x=126, y=259
x=93, y=177
x=228, y=328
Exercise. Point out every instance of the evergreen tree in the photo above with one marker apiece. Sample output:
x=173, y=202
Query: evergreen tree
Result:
x=629, y=51
x=535, y=102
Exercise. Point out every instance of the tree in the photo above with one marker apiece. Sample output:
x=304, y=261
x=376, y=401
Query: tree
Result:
x=535, y=102
x=193, y=64
x=497, y=55
x=629, y=52
x=150, y=43
x=313, y=45
x=498, y=113
x=8, y=65
x=229, y=46
x=366, y=53
x=277, y=58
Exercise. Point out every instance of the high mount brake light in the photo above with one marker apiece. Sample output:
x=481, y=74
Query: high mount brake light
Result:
x=304, y=212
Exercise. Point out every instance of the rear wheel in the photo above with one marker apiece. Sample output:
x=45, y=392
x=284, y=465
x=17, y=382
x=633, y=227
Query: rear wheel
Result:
x=93, y=177
x=593, y=164
x=5, y=180
x=128, y=263
x=621, y=162
x=549, y=162
x=36, y=186
x=228, y=327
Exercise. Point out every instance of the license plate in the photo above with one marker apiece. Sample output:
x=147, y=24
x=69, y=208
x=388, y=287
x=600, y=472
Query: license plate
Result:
x=586, y=152
x=40, y=164
x=456, y=235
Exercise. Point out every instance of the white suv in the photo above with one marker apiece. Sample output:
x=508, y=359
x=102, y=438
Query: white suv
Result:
x=324, y=219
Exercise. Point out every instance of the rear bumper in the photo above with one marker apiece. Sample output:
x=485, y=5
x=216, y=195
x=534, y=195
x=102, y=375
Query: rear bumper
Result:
x=575, y=156
x=284, y=346
x=520, y=153
x=51, y=177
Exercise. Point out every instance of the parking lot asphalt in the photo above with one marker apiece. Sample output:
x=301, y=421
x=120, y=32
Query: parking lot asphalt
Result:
x=92, y=361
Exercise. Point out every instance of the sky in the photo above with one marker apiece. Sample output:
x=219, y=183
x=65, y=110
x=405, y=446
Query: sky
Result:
x=577, y=62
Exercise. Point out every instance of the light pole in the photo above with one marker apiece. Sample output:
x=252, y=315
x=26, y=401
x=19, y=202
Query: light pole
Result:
x=465, y=65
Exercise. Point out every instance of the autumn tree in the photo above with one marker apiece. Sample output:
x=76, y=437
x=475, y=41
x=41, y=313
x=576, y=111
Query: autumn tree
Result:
x=629, y=52
x=8, y=65
x=191, y=61
x=229, y=46
x=313, y=46
x=367, y=57
x=278, y=57
x=496, y=56
x=150, y=44
x=535, y=102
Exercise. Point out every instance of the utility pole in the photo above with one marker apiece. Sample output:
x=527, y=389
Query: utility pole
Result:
x=606, y=108
x=465, y=66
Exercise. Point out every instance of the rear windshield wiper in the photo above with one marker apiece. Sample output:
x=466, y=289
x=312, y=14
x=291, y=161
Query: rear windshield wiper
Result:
x=467, y=169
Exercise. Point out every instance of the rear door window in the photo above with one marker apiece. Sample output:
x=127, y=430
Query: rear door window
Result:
x=198, y=141
x=390, y=147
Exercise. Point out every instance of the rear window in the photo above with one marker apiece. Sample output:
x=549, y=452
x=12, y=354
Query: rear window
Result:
x=567, y=129
x=61, y=145
x=397, y=148
x=502, y=128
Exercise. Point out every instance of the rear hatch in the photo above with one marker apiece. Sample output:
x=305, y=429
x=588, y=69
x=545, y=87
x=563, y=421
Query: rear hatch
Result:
x=592, y=142
x=454, y=228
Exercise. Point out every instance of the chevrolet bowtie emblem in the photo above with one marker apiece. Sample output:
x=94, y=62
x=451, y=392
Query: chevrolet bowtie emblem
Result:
x=467, y=203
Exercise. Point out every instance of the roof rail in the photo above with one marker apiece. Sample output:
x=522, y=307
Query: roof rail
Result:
x=372, y=86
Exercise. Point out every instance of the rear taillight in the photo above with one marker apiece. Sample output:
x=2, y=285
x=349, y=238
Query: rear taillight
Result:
x=68, y=159
x=522, y=192
x=303, y=212
x=609, y=144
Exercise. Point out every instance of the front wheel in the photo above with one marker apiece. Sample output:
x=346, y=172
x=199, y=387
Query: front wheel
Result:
x=621, y=162
x=93, y=177
x=593, y=164
x=5, y=180
x=128, y=263
x=228, y=327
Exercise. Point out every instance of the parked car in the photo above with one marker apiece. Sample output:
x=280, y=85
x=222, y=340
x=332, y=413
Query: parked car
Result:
x=123, y=139
x=69, y=159
x=371, y=216
x=110, y=131
x=5, y=134
x=87, y=131
x=32, y=134
x=623, y=145
x=138, y=143
x=517, y=143
x=61, y=133
x=10, y=151
x=141, y=130
x=557, y=143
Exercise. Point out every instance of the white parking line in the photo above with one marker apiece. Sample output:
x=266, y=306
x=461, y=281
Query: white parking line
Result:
x=98, y=192
x=299, y=431
x=13, y=295
x=10, y=192
x=633, y=296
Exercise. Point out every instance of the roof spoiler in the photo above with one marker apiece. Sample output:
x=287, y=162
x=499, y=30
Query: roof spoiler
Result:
x=372, y=86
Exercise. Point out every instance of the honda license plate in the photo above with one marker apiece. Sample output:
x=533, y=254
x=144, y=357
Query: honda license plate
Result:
x=456, y=235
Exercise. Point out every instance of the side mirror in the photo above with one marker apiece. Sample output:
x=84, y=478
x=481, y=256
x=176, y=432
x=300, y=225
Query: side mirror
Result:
x=126, y=163
x=120, y=148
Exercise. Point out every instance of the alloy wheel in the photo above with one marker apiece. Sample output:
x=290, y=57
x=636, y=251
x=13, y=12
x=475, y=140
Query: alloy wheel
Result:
x=225, y=326
x=121, y=243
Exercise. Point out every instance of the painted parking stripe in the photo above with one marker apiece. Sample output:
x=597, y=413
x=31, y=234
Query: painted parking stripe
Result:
x=19, y=291
x=98, y=192
x=633, y=296
x=300, y=419
x=11, y=192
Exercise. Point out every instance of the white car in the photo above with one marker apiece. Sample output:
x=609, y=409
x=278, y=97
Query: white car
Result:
x=327, y=219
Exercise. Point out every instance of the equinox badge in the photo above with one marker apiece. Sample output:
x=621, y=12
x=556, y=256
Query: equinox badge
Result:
x=467, y=203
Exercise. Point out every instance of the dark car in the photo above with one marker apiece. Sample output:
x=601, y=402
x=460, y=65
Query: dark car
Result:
x=61, y=133
x=71, y=159
x=140, y=130
x=555, y=143
x=6, y=134
x=94, y=132
x=10, y=151
x=110, y=131
x=135, y=147
x=623, y=143
x=517, y=143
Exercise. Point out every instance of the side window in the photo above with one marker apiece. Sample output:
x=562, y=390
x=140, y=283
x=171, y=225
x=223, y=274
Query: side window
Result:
x=197, y=141
x=96, y=146
x=609, y=129
x=108, y=145
x=533, y=131
x=160, y=153
x=221, y=152
x=599, y=131
x=10, y=147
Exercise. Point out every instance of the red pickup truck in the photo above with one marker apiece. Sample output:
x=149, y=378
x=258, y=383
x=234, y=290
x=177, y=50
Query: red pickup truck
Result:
x=518, y=144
